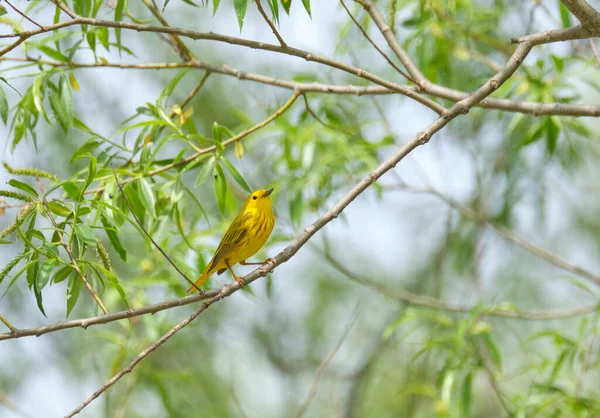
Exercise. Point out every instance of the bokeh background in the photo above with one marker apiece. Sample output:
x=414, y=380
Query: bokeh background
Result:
x=257, y=354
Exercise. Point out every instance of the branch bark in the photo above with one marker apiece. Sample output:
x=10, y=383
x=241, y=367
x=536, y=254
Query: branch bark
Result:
x=586, y=14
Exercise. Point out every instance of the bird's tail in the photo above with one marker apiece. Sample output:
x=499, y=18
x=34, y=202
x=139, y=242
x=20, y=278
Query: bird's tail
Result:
x=198, y=282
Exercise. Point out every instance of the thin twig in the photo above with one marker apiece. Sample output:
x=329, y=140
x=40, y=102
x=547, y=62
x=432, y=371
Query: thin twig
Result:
x=366, y=35
x=313, y=387
x=433, y=303
x=13, y=330
x=322, y=122
x=181, y=273
x=271, y=24
x=509, y=235
x=595, y=50
x=176, y=42
x=194, y=92
x=23, y=14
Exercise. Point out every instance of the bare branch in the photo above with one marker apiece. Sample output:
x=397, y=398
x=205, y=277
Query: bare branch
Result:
x=313, y=387
x=143, y=355
x=231, y=40
x=108, y=318
x=389, y=36
x=533, y=108
x=271, y=25
x=366, y=35
x=181, y=273
x=176, y=42
x=433, y=303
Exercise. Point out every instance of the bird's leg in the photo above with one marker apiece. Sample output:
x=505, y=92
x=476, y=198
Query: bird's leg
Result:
x=240, y=280
x=260, y=263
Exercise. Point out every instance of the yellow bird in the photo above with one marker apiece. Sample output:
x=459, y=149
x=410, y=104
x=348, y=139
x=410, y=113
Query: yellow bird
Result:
x=245, y=236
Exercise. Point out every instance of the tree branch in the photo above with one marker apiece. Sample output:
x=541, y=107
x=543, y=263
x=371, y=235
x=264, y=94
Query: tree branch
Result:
x=271, y=25
x=366, y=35
x=433, y=303
x=389, y=36
x=586, y=14
x=108, y=318
x=13, y=330
x=511, y=236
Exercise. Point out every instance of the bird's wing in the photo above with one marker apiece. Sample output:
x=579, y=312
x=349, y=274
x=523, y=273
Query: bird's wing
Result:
x=234, y=235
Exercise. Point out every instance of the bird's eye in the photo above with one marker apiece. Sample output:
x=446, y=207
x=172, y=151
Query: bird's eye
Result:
x=254, y=197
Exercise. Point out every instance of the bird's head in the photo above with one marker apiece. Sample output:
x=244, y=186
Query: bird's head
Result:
x=259, y=200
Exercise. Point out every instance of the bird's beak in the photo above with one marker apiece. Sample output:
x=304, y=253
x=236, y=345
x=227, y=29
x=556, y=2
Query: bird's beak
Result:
x=268, y=192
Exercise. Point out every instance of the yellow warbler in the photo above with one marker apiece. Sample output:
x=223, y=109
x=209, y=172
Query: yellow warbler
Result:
x=245, y=236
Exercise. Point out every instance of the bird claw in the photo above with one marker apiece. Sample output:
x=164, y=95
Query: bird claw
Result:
x=239, y=280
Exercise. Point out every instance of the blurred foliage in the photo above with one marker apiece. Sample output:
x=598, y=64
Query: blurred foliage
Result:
x=187, y=162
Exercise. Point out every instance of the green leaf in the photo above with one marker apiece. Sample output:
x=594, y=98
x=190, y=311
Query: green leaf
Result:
x=71, y=190
x=465, y=396
x=114, y=281
x=59, y=208
x=215, y=6
x=165, y=5
x=552, y=132
x=3, y=10
x=306, y=4
x=274, y=5
x=89, y=178
x=206, y=170
x=62, y=274
x=239, y=149
x=91, y=40
x=23, y=186
x=86, y=149
x=236, y=175
x=296, y=207
x=220, y=185
x=53, y=53
x=3, y=105
x=240, y=7
x=113, y=237
x=179, y=223
x=44, y=273
x=85, y=234
x=168, y=90
x=494, y=350
x=147, y=197
x=286, y=5
x=102, y=34
x=119, y=16
x=565, y=17
x=73, y=290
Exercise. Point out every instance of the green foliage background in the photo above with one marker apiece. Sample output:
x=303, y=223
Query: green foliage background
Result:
x=429, y=229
